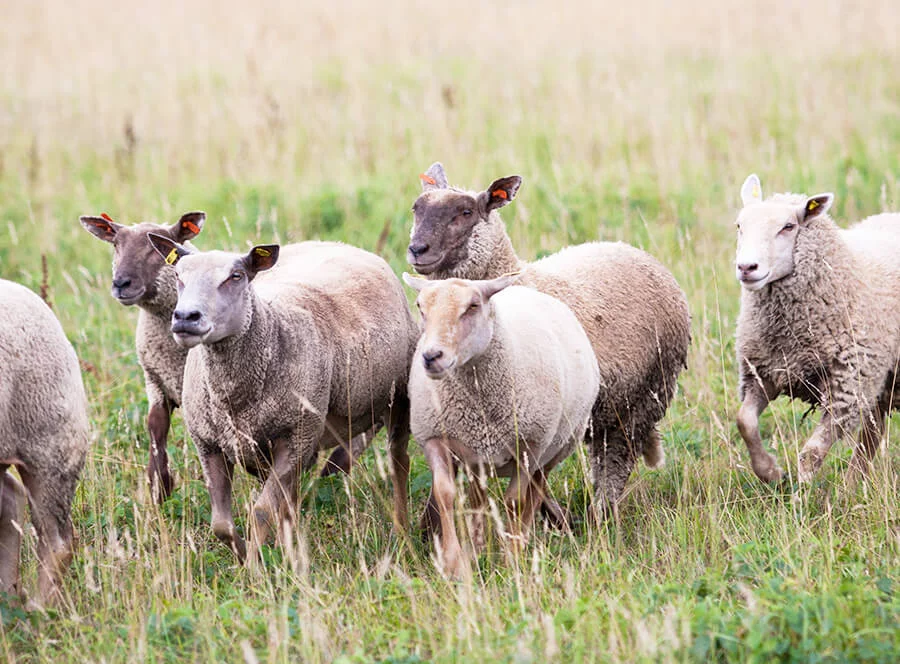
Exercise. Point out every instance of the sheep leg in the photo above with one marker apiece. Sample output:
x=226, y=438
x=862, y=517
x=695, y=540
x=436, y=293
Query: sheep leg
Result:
x=612, y=460
x=443, y=488
x=12, y=515
x=816, y=448
x=344, y=456
x=551, y=510
x=398, y=442
x=219, y=472
x=50, y=498
x=278, y=495
x=477, y=496
x=430, y=521
x=764, y=463
x=158, y=420
x=521, y=502
x=870, y=433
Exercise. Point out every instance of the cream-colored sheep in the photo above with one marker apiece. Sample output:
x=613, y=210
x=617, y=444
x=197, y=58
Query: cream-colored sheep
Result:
x=503, y=377
x=819, y=321
x=631, y=307
x=288, y=359
x=43, y=434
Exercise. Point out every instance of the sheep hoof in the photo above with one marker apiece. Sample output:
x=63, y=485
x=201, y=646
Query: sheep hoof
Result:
x=768, y=470
x=810, y=461
x=226, y=534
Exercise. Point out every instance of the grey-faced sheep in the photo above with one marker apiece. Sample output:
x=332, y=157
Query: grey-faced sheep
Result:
x=819, y=321
x=631, y=307
x=502, y=377
x=142, y=278
x=43, y=434
x=288, y=359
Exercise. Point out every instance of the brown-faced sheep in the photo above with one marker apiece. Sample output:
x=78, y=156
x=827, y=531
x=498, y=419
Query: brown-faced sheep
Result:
x=631, y=307
x=503, y=377
x=819, y=321
x=43, y=434
x=288, y=359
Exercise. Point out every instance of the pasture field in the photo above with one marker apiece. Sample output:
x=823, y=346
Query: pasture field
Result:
x=628, y=121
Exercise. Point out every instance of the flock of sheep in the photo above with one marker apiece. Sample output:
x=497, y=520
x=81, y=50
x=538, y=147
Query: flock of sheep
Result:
x=281, y=352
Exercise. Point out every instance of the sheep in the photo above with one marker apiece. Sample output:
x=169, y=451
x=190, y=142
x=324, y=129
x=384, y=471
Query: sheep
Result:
x=503, y=376
x=819, y=321
x=288, y=359
x=631, y=307
x=141, y=278
x=44, y=434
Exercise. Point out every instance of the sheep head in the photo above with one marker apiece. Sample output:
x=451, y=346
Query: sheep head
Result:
x=458, y=320
x=214, y=290
x=136, y=266
x=446, y=217
x=767, y=233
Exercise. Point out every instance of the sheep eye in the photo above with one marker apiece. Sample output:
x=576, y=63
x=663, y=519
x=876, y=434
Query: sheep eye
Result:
x=467, y=212
x=472, y=307
x=789, y=226
x=236, y=276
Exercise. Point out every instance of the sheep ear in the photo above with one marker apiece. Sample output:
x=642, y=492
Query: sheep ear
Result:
x=491, y=287
x=416, y=283
x=171, y=251
x=188, y=227
x=751, y=191
x=816, y=206
x=102, y=227
x=261, y=257
x=434, y=177
x=500, y=193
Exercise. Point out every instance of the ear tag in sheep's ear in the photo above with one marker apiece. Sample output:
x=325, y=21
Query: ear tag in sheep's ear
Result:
x=191, y=226
x=107, y=217
x=172, y=257
x=756, y=192
x=264, y=253
x=812, y=205
x=427, y=179
x=499, y=193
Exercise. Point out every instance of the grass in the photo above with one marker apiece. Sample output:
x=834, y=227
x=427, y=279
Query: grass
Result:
x=633, y=123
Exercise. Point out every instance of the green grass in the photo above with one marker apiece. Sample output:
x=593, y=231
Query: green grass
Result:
x=288, y=124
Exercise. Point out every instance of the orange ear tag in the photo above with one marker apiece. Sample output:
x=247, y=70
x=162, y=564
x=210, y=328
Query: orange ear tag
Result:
x=499, y=193
x=427, y=179
x=172, y=257
x=106, y=216
x=259, y=251
x=191, y=226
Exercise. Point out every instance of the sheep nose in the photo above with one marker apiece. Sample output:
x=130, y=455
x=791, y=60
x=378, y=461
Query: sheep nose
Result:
x=191, y=316
x=430, y=356
x=418, y=249
x=747, y=268
x=121, y=282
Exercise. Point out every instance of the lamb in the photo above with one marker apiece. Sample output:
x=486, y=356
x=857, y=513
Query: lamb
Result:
x=503, y=376
x=141, y=278
x=44, y=434
x=819, y=321
x=288, y=359
x=631, y=307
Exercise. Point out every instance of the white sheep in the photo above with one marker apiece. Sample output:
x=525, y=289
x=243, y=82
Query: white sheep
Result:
x=43, y=434
x=502, y=377
x=288, y=359
x=631, y=307
x=819, y=321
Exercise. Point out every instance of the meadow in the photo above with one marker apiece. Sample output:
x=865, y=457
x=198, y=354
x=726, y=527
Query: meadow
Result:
x=628, y=121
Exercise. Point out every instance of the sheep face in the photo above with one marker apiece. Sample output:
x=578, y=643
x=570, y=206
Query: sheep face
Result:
x=767, y=234
x=445, y=219
x=458, y=321
x=214, y=290
x=136, y=266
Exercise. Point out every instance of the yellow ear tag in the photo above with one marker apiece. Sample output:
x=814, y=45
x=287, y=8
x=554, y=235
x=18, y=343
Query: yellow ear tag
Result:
x=812, y=205
x=259, y=251
x=172, y=257
x=756, y=192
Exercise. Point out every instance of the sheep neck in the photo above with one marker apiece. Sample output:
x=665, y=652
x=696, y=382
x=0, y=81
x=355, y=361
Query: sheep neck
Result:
x=490, y=254
x=164, y=301
x=237, y=367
